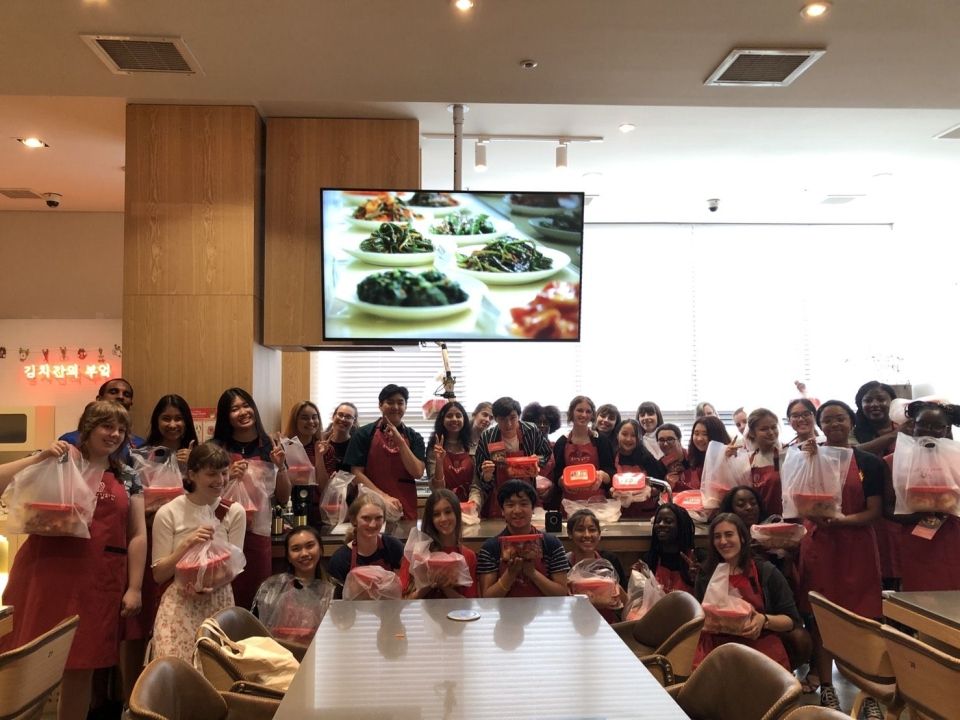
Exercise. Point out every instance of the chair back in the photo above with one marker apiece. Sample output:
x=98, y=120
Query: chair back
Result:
x=854, y=641
x=736, y=682
x=658, y=628
x=928, y=680
x=30, y=673
x=169, y=689
x=215, y=664
x=239, y=623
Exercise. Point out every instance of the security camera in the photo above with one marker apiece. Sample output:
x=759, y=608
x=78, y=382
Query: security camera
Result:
x=713, y=204
x=52, y=199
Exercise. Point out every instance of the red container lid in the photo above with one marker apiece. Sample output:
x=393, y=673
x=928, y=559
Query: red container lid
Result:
x=594, y=583
x=579, y=476
x=468, y=506
x=630, y=481
x=293, y=632
x=163, y=491
x=210, y=562
x=781, y=528
x=689, y=500
x=300, y=468
x=51, y=507
x=524, y=461
x=932, y=489
x=368, y=572
x=727, y=612
x=519, y=538
x=443, y=559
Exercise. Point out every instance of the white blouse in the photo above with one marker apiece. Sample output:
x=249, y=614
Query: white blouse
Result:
x=181, y=516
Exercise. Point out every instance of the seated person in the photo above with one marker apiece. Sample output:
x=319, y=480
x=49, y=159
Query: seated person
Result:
x=583, y=529
x=672, y=557
x=539, y=571
x=443, y=522
x=364, y=545
x=759, y=583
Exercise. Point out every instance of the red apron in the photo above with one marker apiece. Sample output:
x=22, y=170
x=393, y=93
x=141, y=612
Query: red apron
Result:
x=522, y=586
x=56, y=577
x=385, y=468
x=766, y=481
x=889, y=541
x=140, y=626
x=671, y=580
x=458, y=474
x=690, y=480
x=586, y=454
x=491, y=508
x=642, y=510
x=258, y=549
x=769, y=643
x=931, y=565
x=842, y=563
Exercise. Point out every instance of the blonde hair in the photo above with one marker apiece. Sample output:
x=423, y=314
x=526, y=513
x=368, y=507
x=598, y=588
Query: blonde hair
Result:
x=291, y=429
x=101, y=412
x=361, y=501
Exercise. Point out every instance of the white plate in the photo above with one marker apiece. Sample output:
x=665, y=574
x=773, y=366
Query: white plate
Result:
x=356, y=200
x=391, y=259
x=500, y=227
x=475, y=291
x=560, y=261
x=541, y=225
x=371, y=225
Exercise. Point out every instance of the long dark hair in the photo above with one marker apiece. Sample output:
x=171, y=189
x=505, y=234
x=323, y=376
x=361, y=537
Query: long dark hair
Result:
x=427, y=523
x=438, y=429
x=713, y=557
x=647, y=407
x=716, y=430
x=310, y=530
x=685, y=539
x=155, y=437
x=223, y=430
x=862, y=429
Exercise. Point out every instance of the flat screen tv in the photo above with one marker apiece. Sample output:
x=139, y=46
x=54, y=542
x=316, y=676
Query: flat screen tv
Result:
x=418, y=265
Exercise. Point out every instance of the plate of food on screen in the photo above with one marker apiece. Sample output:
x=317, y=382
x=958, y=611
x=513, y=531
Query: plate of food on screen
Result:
x=437, y=203
x=510, y=261
x=380, y=209
x=468, y=228
x=541, y=204
x=566, y=227
x=553, y=314
x=359, y=197
x=412, y=296
x=394, y=245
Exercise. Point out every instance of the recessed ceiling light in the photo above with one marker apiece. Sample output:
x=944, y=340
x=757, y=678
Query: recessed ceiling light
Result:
x=463, y=5
x=32, y=142
x=626, y=127
x=816, y=9
x=528, y=64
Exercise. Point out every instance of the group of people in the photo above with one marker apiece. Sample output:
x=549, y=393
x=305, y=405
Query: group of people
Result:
x=496, y=462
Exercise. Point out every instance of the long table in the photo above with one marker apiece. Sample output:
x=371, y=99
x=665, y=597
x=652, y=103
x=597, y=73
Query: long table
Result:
x=523, y=658
x=934, y=615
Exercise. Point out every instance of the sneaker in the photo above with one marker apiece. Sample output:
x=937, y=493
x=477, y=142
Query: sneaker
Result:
x=828, y=697
x=871, y=710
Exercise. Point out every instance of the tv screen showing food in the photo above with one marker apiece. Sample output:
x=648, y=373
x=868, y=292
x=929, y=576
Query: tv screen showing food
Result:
x=418, y=265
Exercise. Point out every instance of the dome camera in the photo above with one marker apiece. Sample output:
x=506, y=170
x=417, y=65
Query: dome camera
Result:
x=713, y=204
x=52, y=199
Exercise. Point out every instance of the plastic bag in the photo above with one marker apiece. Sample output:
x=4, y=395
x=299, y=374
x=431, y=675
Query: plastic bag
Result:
x=643, y=592
x=724, y=609
x=544, y=487
x=721, y=473
x=333, y=502
x=598, y=581
x=692, y=502
x=371, y=582
x=236, y=492
x=54, y=497
x=607, y=510
x=813, y=482
x=630, y=487
x=300, y=470
x=160, y=476
x=434, y=569
x=925, y=475
x=292, y=609
x=778, y=535
x=211, y=564
x=260, y=480
x=469, y=513
x=391, y=514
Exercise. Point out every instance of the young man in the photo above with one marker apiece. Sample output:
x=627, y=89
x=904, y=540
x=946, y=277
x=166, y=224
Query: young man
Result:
x=115, y=390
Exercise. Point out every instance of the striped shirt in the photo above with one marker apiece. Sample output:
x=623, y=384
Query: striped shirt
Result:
x=554, y=556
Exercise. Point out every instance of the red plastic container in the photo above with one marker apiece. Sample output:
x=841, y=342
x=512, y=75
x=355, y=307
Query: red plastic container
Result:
x=922, y=498
x=156, y=497
x=778, y=536
x=513, y=545
x=523, y=467
x=43, y=518
x=725, y=620
x=217, y=571
x=576, y=477
x=301, y=474
x=629, y=482
x=600, y=590
x=444, y=564
x=689, y=500
x=815, y=504
x=299, y=635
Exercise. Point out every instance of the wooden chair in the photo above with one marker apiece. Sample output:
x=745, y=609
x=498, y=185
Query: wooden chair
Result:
x=30, y=673
x=736, y=682
x=665, y=639
x=169, y=689
x=860, y=653
x=928, y=679
x=815, y=712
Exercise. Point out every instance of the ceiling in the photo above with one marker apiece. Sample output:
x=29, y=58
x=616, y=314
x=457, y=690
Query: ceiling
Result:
x=860, y=122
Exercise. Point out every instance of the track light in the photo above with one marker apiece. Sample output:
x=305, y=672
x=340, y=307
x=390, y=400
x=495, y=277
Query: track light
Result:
x=562, y=155
x=480, y=156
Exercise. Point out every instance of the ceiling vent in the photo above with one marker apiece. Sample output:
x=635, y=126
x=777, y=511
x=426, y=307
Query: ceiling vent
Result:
x=762, y=68
x=951, y=134
x=19, y=194
x=127, y=54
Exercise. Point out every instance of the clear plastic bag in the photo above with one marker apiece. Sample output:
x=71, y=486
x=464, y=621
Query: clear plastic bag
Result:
x=643, y=592
x=333, y=502
x=692, y=502
x=292, y=609
x=544, y=487
x=629, y=488
x=813, y=482
x=777, y=535
x=598, y=581
x=260, y=479
x=721, y=473
x=469, y=513
x=56, y=497
x=211, y=564
x=371, y=582
x=434, y=569
x=160, y=476
x=607, y=510
x=300, y=470
x=724, y=609
x=237, y=491
x=926, y=472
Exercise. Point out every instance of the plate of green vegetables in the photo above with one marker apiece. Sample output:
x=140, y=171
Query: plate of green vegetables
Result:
x=510, y=261
x=399, y=294
x=394, y=245
x=467, y=228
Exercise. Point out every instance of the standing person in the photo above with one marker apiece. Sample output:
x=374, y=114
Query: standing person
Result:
x=343, y=424
x=547, y=420
x=480, y=420
x=672, y=557
x=183, y=523
x=443, y=522
x=171, y=427
x=650, y=418
x=672, y=456
x=539, y=569
x=705, y=429
x=304, y=424
x=838, y=555
x=583, y=446
x=704, y=409
x=607, y=420
x=873, y=429
x=239, y=430
x=508, y=437
x=633, y=457
x=740, y=420
x=115, y=390
x=763, y=432
x=387, y=455
x=98, y=578
x=364, y=544
x=450, y=459
x=801, y=414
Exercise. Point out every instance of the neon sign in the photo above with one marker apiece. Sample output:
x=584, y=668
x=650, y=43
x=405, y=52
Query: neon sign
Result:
x=67, y=371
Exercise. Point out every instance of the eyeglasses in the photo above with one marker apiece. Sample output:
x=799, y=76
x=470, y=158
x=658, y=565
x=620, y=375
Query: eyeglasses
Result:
x=805, y=415
x=344, y=416
x=667, y=441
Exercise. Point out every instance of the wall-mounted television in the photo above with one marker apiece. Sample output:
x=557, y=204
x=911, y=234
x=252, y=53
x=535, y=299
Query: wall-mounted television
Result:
x=420, y=265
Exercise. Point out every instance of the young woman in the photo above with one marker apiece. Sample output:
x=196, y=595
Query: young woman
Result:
x=545, y=417
x=705, y=429
x=480, y=420
x=801, y=413
x=304, y=423
x=365, y=545
x=672, y=456
x=450, y=455
x=875, y=432
x=650, y=418
x=704, y=409
x=672, y=557
x=171, y=426
x=763, y=430
x=99, y=578
x=292, y=603
x=343, y=423
x=758, y=582
x=632, y=456
x=583, y=446
x=535, y=571
x=240, y=432
x=838, y=555
x=183, y=523
x=583, y=529
x=443, y=523
x=606, y=423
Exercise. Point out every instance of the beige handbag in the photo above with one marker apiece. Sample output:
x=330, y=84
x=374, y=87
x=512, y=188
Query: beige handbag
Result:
x=260, y=659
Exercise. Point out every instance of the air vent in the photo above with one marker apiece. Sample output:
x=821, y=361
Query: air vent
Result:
x=763, y=68
x=19, y=194
x=127, y=54
x=951, y=134
x=840, y=199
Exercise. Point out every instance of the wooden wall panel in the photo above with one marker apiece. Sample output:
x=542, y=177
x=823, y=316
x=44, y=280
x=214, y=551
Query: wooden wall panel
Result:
x=302, y=156
x=295, y=382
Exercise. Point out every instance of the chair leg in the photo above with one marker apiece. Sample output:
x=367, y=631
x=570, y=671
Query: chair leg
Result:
x=894, y=710
x=857, y=705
